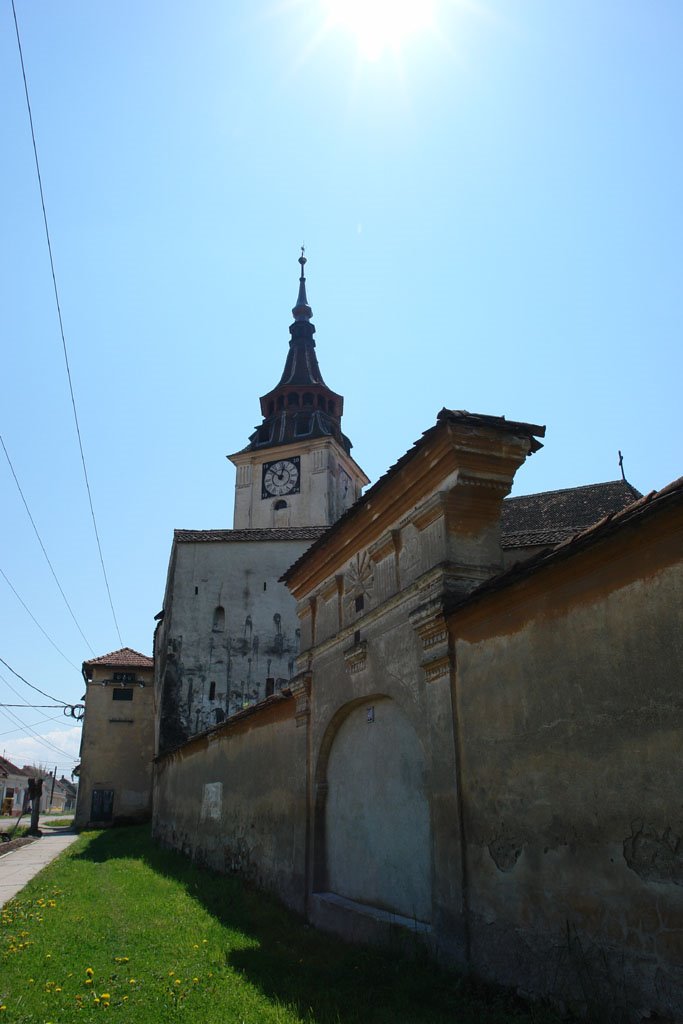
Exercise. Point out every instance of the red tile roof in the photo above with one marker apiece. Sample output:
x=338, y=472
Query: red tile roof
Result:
x=645, y=506
x=551, y=517
x=7, y=768
x=126, y=657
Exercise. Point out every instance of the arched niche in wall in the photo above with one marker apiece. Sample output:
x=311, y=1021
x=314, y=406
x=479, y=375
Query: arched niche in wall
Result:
x=280, y=513
x=219, y=619
x=373, y=842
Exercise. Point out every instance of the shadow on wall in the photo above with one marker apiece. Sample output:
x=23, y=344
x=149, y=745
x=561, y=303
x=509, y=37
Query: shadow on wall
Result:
x=321, y=978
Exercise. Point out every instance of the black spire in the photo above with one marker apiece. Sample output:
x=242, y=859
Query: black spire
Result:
x=302, y=311
x=301, y=406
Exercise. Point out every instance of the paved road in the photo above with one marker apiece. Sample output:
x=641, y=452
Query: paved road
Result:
x=20, y=866
x=8, y=823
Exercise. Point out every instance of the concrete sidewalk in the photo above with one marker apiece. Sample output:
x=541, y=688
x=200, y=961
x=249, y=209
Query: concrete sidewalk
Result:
x=20, y=866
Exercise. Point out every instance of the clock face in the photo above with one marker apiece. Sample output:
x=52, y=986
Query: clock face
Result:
x=281, y=477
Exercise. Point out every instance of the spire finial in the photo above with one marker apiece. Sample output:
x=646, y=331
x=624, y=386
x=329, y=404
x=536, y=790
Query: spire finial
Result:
x=302, y=311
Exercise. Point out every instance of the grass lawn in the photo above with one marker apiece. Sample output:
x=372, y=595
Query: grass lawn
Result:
x=118, y=927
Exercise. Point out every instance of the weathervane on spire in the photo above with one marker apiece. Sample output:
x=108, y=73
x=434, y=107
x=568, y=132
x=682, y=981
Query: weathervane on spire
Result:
x=302, y=311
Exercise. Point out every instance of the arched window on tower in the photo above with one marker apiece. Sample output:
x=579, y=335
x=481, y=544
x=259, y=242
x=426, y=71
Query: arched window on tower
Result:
x=308, y=399
x=219, y=619
x=280, y=513
x=271, y=407
x=303, y=424
x=212, y=691
x=321, y=402
x=331, y=407
x=281, y=402
x=293, y=398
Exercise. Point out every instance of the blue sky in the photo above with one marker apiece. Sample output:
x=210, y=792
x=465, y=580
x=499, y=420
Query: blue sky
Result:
x=492, y=216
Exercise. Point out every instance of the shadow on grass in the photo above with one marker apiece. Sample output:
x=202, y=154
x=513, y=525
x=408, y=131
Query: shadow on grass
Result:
x=304, y=968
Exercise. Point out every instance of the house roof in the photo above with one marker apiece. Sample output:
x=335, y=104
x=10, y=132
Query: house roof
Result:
x=551, y=517
x=644, y=507
x=7, y=768
x=233, y=536
x=126, y=657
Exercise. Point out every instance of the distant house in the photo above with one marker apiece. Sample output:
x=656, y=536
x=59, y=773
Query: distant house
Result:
x=117, y=744
x=58, y=795
x=13, y=788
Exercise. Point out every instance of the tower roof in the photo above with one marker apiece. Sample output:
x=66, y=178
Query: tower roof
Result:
x=301, y=406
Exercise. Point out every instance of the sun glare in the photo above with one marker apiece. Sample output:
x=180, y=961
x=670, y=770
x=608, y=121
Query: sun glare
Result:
x=380, y=25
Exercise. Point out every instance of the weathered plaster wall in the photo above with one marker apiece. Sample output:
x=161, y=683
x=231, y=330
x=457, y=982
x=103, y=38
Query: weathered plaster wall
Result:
x=235, y=799
x=569, y=705
x=117, y=747
x=229, y=627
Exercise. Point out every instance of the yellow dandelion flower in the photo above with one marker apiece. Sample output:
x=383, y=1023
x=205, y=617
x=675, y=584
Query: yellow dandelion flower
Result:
x=196, y=945
x=89, y=971
x=58, y=989
x=96, y=1000
x=88, y=981
x=124, y=998
x=177, y=981
x=105, y=995
x=195, y=980
x=131, y=981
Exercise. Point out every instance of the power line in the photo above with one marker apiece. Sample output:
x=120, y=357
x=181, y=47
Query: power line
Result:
x=44, y=718
x=47, y=558
x=31, y=706
x=62, y=703
x=61, y=326
x=45, y=743
x=24, y=605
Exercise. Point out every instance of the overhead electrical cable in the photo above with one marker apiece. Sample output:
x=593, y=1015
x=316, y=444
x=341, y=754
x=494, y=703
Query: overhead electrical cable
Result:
x=47, y=557
x=32, y=706
x=28, y=610
x=61, y=327
x=49, y=696
x=44, y=742
x=50, y=718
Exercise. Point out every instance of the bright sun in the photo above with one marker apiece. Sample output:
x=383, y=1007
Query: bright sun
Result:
x=380, y=25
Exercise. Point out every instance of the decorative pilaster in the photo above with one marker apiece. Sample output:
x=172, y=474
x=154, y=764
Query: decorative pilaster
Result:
x=429, y=623
x=356, y=657
x=300, y=687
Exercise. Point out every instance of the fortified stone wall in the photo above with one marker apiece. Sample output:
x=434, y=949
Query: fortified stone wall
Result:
x=230, y=634
x=569, y=712
x=235, y=799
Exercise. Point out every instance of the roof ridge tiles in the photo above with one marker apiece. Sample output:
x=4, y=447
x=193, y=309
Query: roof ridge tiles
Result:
x=610, y=522
x=123, y=656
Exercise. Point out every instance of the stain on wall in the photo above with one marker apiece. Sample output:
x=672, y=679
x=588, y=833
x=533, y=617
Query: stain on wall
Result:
x=655, y=855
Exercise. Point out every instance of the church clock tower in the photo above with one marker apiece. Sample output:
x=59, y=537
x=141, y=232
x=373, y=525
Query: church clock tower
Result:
x=297, y=469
